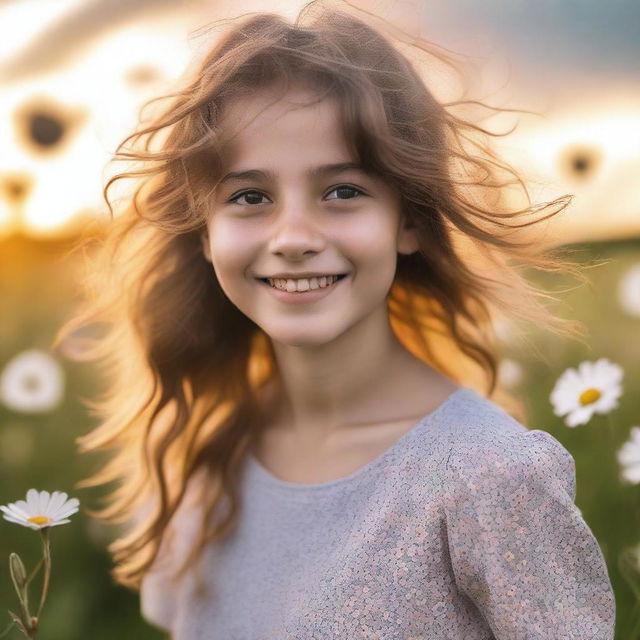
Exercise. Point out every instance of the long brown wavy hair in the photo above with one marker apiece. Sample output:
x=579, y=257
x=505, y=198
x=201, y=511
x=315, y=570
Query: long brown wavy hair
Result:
x=184, y=365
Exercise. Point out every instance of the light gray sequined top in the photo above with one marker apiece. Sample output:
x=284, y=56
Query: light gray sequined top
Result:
x=465, y=528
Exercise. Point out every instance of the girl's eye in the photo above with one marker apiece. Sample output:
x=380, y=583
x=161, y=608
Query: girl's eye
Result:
x=253, y=197
x=344, y=188
x=251, y=194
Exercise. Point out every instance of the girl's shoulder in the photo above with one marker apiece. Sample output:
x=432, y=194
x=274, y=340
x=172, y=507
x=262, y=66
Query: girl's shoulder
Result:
x=483, y=440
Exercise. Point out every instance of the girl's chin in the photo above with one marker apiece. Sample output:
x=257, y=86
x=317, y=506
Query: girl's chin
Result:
x=301, y=337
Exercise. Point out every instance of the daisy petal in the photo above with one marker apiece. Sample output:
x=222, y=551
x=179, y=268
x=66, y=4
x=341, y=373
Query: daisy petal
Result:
x=57, y=522
x=33, y=501
x=71, y=502
x=563, y=404
x=57, y=500
x=585, y=369
x=14, y=512
x=15, y=520
x=629, y=455
x=63, y=513
x=632, y=474
x=579, y=416
x=570, y=377
x=606, y=404
x=18, y=508
x=70, y=506
x=44, y=502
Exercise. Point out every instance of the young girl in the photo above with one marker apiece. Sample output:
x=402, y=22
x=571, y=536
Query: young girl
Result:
x=299, y=301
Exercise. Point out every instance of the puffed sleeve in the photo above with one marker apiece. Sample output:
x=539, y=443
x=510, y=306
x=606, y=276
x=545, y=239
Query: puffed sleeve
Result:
x=520, y=548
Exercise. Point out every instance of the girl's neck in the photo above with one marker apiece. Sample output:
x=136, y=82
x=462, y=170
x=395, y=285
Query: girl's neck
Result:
x=361, y=382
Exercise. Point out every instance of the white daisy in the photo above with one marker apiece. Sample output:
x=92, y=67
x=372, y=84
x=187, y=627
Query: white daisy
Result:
x=629, y=291
x=629, y=457
x=41, y=509
x=32, y=382
x=593, y=388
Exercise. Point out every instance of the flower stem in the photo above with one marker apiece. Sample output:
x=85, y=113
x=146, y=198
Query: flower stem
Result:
x=35, y=570
x=18, y=577
x=44, y=532
x=4, y=633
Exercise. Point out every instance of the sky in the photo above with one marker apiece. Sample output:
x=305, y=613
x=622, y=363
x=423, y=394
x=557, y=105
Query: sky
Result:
x=576, y=62
x=557, y=36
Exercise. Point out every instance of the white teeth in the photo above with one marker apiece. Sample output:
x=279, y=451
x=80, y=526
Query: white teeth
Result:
x=302, y=284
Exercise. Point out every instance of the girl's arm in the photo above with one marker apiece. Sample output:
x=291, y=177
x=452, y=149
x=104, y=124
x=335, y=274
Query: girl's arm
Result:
x=159, y=595
x=520, y=549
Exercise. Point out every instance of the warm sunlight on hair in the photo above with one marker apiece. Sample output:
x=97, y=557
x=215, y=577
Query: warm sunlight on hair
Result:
x=184, y=363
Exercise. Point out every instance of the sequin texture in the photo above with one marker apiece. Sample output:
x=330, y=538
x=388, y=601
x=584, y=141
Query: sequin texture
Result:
x=465, y=528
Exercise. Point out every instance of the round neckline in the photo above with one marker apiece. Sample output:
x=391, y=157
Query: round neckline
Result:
x=270, y=479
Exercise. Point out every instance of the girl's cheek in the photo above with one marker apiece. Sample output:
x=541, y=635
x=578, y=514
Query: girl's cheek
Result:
x=233, y=249
x=225, y=236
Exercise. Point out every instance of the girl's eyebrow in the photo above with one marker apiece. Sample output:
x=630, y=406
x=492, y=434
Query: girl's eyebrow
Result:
x=315, y=172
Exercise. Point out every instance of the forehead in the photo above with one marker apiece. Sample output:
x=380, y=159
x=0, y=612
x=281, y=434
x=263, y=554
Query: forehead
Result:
x=266, y=123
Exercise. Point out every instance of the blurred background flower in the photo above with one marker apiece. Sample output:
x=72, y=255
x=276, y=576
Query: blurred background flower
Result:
x=594, y=387
x=629, y=291
x=629, y=457
x=32, y=382
x=510, y=373
x=73, y=76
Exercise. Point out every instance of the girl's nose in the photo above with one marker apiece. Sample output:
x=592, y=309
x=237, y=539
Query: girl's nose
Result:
x=296, y=233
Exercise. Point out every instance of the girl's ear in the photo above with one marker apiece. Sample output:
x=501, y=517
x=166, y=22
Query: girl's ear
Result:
x=407, y=241
x=206, y=250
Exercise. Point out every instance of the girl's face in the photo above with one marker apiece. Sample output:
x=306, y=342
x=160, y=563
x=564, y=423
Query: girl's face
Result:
x=289, y=205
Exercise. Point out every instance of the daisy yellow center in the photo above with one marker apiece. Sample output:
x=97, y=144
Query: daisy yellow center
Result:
x=589, y=396
x=39, y=519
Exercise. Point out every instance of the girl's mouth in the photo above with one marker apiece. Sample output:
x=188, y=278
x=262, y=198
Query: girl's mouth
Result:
x=308, y=295
x=281, y=286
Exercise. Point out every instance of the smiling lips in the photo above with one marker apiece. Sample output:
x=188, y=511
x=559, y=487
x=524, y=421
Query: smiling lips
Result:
x=302, y=284
x=300, y=289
